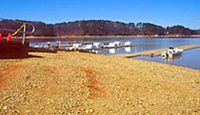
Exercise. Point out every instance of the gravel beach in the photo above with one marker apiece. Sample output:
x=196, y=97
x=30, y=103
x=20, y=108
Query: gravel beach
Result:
x=70, y=83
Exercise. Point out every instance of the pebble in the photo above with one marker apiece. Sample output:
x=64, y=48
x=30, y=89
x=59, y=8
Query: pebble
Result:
x=5, y=107
x=21, y=95
x=140, y=105
x=28, y=77
x=103, y=104
x=89, y=111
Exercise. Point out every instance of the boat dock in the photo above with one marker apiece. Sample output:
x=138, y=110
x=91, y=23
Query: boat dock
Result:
x=86, y=46
x=159, y=51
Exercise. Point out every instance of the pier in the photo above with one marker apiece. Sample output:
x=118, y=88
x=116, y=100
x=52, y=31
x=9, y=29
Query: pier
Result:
x=158, y=52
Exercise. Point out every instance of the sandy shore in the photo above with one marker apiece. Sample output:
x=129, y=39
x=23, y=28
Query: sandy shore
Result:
x=80, y=83
x=158, y=52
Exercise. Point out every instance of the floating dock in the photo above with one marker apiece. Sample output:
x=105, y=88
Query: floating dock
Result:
x=159, y=51
x=44, y=50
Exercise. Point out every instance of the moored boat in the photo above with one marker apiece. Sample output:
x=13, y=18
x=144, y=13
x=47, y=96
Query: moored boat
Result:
x=171, y=52
x=89, y=47
x=128, y=44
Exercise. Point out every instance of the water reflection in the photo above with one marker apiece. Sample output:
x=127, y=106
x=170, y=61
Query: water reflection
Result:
x=112, y=51
x=171, y=60
x=127, y=49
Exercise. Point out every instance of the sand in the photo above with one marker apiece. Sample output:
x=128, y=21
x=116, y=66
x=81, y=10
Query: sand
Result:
x=80, y=83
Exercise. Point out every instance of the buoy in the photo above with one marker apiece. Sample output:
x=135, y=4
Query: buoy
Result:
x=9, y=39
x=1, y=37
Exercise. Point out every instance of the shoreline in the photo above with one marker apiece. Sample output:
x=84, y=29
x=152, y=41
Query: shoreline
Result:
x=158, y=52
x=78, y=37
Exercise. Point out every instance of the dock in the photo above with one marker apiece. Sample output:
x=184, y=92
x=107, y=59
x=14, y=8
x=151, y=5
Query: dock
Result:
x=44, y=50
x=158, y=52
x=60, y=45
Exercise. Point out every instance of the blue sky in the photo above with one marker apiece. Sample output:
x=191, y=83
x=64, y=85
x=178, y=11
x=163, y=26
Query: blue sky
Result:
x=161, y=12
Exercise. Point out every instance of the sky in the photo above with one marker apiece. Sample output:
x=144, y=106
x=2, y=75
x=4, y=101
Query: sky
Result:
x=161, y=12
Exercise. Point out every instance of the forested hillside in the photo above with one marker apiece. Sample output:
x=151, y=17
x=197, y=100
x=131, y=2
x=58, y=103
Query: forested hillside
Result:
x=96, y=28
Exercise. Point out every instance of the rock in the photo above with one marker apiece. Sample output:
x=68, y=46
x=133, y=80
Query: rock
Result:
x=21, y=95
x=89, y=111
x=5, y=107
x=103, y=104
x=28, y=77
x=11, y=98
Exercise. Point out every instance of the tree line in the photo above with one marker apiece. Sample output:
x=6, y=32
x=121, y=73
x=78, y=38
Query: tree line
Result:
x=96, y=28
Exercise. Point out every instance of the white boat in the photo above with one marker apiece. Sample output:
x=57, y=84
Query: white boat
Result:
x=109, y=45
x=118, y=44
x=113, y=45
x=89, y=47
x=75, y=47
x=36, y=45
x=128, y=44
x=97, y=45
x=171, y=52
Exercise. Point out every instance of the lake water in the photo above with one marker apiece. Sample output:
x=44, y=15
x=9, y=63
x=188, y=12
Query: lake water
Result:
x=140, y=44
x=188, y=59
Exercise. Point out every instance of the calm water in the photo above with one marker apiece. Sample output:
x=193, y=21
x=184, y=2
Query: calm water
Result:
x=144, y=44
x=140, y=44
x=188, y=59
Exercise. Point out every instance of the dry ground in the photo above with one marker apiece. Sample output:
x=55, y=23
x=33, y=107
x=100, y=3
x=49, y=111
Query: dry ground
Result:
x=80, y=83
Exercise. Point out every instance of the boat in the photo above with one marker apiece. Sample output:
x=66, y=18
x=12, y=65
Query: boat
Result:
x=75, y=47
x=118, y=44
x=89, y=47
x=97, y=45
x=171, y=52
x=115, y=44
x=112, y=45
x=109, y=45
x=128, y=44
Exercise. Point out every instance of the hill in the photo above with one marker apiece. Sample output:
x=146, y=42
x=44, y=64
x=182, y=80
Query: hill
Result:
x=97, y=28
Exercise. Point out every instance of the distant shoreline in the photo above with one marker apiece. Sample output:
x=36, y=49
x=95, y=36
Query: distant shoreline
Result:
x=118, y=36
